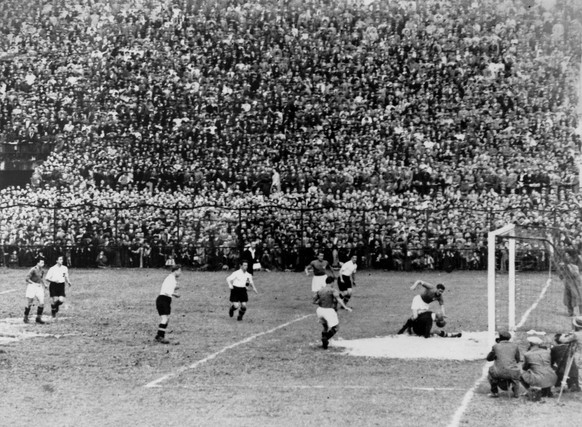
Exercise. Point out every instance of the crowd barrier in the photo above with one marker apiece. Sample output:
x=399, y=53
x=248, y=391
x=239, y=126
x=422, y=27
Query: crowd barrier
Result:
x=213, y=237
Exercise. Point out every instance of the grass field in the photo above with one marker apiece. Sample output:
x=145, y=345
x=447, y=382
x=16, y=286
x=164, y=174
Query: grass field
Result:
x=268, y=370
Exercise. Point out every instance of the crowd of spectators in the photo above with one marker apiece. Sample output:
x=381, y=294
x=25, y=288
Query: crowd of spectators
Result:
x=401, y=131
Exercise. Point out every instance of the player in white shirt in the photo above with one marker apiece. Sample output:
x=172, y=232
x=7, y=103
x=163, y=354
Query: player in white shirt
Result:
x=58, y=277
x=164, y=301
x=347, y=278
x=238, y=282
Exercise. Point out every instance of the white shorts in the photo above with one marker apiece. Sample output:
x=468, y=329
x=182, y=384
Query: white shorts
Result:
x=318, y=282
x=327, y=315
x=34, y=290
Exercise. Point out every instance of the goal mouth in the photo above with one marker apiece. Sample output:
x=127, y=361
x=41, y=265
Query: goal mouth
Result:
x=470, y=346
x=528, y=271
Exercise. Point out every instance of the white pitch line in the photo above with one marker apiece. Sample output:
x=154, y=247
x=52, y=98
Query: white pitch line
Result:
x=7, y=292
x=534, y=305
x=326, y=387
x=469, y=395
x=213, y=355
x=467, y=398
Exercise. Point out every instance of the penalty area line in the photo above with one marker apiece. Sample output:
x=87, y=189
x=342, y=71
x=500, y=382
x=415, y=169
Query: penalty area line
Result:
x=194, y=365
x=7, y=292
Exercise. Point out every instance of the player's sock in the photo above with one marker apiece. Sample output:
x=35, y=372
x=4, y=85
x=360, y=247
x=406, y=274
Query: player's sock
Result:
x=231, y=310
x=331, y=332
x=58, y=304
x=162, y=330
x=405, y=327
x=241, y=313
x=347, y=299
x=53, y=309
x=27, y=310
x=39, y=311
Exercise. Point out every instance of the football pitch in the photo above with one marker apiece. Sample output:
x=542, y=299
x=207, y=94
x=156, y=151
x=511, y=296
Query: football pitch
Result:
x=98, y=365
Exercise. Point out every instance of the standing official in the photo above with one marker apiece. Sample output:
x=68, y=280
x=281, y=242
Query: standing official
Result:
x=58, y=277
x=237, y=283
x=35, y=289
x=570, y=275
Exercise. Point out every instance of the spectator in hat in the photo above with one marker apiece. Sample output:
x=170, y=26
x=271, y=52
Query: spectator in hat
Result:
x=537, y=367
x=505, y=371
x=560, y=353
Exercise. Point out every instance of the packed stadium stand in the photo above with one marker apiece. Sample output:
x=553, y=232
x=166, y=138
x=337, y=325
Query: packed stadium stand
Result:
x=181, y=131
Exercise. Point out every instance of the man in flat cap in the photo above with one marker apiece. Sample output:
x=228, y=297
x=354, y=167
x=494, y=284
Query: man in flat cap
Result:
x=537, y=367
x=505, y=371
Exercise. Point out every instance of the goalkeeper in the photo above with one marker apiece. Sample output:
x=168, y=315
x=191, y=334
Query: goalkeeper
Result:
x=422, y=325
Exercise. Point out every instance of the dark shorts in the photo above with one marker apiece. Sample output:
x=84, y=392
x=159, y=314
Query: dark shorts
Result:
x=239, y=295
x=56, y=289
x=164, y=305
x=422, y=325
x=347, y=284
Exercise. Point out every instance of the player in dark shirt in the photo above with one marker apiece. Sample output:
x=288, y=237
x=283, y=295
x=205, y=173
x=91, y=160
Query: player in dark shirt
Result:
x=327, y=298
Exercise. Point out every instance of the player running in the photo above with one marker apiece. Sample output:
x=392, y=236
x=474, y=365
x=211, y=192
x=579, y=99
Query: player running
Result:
x=347, y=278
x=238, y=282
x=327, y=298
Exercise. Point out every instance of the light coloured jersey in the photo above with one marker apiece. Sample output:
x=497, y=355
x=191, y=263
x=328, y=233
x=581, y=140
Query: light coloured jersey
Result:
x=348, y=268
x=240, y=279
x=58, y=274
x=169, y=285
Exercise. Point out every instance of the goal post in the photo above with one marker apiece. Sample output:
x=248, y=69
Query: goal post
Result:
x=529, y=297
x=507, y=230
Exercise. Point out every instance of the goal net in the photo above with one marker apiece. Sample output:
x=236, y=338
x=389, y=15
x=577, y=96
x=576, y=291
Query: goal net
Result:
x=528, y=270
